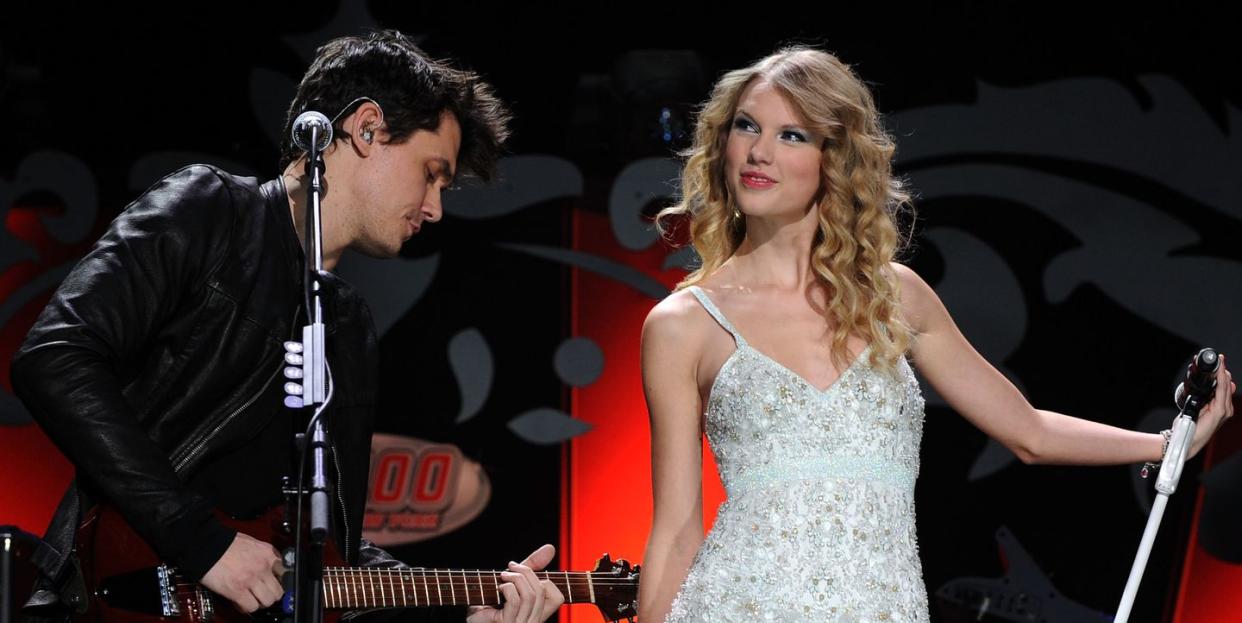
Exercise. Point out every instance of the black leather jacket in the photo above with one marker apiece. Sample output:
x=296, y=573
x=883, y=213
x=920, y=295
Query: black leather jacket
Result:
x=154, y=352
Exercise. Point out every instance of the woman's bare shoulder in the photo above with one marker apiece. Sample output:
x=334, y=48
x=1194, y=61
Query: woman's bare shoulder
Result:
x=679, y=315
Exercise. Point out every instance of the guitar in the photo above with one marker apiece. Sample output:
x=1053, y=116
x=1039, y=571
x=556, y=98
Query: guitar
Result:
x=126, y=581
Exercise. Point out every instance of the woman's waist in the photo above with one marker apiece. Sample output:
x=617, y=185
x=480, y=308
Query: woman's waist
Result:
x=740, y=478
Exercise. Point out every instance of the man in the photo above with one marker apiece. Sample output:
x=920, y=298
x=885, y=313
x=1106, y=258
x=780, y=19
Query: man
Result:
x=155, y=367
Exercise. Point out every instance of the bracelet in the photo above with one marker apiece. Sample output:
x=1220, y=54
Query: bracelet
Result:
x=1164, y=451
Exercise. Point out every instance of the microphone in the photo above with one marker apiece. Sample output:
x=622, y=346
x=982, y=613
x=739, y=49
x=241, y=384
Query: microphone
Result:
x=1200, y=381
x=303, y=125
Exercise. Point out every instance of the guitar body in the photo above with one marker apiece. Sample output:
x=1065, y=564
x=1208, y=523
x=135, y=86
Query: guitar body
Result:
x=128, y=583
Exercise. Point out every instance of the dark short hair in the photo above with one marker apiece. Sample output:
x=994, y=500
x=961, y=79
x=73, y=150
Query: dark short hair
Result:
x=413, y=90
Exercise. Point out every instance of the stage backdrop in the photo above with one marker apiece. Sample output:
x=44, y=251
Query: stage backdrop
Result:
x=1078, y=212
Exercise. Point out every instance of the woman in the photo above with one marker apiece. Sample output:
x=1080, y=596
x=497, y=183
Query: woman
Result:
x=789, y=347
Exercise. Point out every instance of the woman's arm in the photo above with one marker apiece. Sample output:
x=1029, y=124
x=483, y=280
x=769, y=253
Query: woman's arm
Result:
x=988, y=400
x=669, y=364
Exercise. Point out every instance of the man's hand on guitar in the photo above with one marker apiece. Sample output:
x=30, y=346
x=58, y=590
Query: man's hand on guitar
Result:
x=246, y=574
x=527, y=598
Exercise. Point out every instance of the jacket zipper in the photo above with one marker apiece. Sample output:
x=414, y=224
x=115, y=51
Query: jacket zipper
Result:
x=341, y=499
x=198, y=446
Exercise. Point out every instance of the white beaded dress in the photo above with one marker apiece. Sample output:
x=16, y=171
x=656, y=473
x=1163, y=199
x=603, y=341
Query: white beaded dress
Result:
x=818, y=524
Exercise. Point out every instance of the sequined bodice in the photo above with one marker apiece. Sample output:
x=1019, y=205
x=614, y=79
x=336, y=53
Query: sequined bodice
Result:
x=819, y=520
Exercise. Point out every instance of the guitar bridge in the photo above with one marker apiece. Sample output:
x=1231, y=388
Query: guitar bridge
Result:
x=148, y=591
x=168, y=590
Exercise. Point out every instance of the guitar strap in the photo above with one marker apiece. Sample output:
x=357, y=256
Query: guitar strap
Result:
x=60, y=587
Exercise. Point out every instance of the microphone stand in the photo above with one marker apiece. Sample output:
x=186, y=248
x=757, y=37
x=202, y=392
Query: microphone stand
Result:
x=1183, y=432
x=309, y=607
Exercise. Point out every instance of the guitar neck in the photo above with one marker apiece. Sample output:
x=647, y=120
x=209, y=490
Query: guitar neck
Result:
x=346, y=588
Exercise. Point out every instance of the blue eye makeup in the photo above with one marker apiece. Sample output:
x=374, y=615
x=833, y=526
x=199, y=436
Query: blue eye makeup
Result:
x=793, y=136
x=744, y=124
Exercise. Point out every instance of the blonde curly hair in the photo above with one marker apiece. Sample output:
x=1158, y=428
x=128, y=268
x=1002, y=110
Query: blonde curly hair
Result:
x=860, y=199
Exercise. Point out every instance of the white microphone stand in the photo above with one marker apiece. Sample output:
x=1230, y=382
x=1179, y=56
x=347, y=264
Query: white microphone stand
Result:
x=1166, y=483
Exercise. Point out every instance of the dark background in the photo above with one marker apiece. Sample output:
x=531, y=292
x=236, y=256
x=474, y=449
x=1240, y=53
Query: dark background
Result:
x=112, y=87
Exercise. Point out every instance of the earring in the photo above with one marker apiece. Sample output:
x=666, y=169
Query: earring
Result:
x=368, y=135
